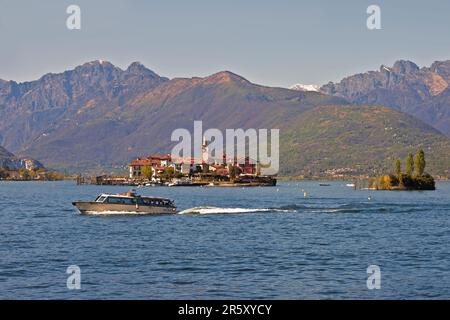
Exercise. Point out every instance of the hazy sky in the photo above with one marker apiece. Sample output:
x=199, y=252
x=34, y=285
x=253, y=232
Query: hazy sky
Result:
x=275, y=43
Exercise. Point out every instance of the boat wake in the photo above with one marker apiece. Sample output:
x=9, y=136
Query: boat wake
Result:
x=294, y=208
x=219, y=210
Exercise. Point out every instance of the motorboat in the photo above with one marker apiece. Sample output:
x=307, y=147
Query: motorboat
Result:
x=126, y=203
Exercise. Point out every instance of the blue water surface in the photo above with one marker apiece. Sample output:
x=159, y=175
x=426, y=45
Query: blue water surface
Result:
x=287, y=246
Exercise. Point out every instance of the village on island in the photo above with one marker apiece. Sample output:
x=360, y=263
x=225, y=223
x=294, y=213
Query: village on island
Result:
x=166, y=170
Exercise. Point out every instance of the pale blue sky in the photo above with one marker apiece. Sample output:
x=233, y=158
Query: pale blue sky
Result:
x=275, y=43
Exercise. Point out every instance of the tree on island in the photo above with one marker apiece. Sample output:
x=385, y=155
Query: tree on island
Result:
x=24, y=174
x=147, y=172
x=168, y=174
x=409, y=165
x=419, y=163
x=398, y=169
x=232, y=172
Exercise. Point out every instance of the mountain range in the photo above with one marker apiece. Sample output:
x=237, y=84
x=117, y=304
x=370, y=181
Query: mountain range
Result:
x=99, y=116
x=421, y=92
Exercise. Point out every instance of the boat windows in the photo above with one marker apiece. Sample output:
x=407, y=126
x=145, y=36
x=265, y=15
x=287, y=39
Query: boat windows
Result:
x=148, y=202
x=118, y=200
x=126, y=200
x=155, y=202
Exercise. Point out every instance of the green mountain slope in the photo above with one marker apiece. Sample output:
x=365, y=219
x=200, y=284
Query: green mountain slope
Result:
x=358, y=139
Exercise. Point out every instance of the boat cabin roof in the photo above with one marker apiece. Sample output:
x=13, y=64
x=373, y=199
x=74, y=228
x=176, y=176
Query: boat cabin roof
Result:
x=129, y=196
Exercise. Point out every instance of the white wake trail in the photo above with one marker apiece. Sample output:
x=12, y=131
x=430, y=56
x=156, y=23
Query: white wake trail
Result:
x=219, y=210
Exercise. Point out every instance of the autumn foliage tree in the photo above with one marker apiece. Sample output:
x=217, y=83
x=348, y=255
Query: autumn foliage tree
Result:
x=147, y=172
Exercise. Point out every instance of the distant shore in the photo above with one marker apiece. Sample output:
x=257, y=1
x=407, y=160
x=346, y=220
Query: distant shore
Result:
x=343, y=178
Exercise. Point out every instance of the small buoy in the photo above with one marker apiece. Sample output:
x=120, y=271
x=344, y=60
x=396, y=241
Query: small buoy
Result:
x=305, y=194
x=369, y=198
x=278, y=189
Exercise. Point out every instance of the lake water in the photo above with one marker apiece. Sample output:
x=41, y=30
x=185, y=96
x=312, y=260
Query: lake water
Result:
x=260, y=243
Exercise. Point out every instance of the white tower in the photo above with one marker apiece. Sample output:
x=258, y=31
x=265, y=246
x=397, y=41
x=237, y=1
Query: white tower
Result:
x=205, y=150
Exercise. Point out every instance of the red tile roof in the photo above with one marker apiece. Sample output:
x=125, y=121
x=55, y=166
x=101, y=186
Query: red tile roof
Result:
x=141, y=162
x=159, y=157
x=145, y=162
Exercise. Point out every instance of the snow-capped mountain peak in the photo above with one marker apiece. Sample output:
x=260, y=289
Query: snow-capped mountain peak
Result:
x=305, y=87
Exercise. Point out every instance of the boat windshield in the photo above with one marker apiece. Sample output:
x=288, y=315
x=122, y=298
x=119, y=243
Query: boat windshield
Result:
x=100, y=199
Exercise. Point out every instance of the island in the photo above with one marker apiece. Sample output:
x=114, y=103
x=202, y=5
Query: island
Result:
x=413, y=178
x=162, y=170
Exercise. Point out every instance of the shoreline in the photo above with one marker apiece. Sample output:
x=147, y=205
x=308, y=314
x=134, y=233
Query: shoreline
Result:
x=241, y=184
